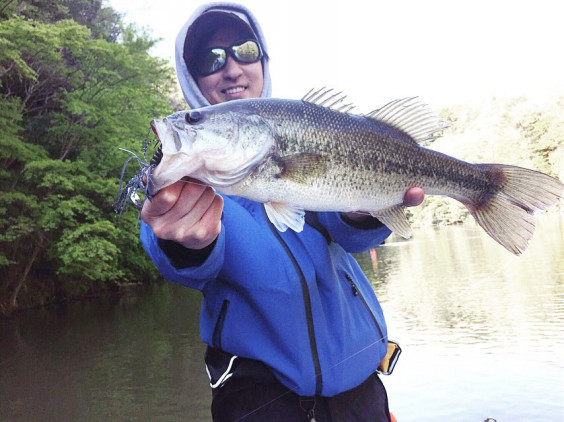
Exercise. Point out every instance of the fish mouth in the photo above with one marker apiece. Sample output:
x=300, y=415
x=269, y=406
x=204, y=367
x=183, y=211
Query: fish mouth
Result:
x=154, y=129
x=158, y=155
x=167, y=135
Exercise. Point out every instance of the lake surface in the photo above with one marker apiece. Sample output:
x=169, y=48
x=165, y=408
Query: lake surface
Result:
x=482, y=334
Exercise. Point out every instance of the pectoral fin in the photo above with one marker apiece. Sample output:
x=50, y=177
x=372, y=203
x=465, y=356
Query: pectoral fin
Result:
x=394, y=218
x=284, y=215
x=302, y=167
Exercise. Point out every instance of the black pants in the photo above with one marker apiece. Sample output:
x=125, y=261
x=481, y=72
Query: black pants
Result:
x=252, y=394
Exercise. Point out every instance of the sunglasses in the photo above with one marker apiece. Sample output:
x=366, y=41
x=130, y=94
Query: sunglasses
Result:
x=213, y=59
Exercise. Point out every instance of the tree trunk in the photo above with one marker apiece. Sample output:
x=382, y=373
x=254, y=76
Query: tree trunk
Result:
x=13, y=302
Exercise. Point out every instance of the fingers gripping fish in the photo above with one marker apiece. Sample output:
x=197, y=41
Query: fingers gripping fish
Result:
x=314, y=155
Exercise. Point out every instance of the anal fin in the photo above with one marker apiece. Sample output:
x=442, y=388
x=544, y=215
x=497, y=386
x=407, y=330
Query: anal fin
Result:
x=285, y=216
x=394, y=218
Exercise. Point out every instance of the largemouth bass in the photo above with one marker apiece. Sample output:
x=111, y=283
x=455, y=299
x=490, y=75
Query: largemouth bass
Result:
x=310, y=155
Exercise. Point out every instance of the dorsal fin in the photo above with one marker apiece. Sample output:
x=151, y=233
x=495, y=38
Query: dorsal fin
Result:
x=326, y=98
x=414, y=118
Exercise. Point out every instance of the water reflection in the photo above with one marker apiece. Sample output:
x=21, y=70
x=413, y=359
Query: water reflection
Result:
x=133, y=358
x=481, y=331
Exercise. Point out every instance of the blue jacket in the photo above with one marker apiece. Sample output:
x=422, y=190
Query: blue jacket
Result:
x=296, y=301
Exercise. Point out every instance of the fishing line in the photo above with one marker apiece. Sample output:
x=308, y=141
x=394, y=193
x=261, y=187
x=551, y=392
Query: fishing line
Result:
x=291, y=390
x=490, y=276
x=471, y=285
x=353, y=355
x=194, y=182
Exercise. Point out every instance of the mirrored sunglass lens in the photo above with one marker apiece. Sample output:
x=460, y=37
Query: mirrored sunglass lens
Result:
x=247, y=52
x=212, y=61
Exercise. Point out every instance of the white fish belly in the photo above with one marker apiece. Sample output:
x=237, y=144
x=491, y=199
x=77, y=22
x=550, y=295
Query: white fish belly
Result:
x=315, y=197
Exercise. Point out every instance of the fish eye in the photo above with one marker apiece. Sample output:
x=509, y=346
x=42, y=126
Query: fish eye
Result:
x=193, y=117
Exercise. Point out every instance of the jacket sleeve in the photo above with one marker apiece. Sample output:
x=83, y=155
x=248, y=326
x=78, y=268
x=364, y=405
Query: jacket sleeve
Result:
x=194, y=277
x=353, y=239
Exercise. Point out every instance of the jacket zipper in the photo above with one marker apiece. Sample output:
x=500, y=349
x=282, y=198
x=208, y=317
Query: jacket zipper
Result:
x=308, y=308
x=356, y=292
x=218, y=329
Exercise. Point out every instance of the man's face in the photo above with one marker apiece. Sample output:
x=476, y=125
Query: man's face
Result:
x=236, y=80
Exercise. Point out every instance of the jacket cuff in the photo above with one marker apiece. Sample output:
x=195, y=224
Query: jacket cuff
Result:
x=369, y=223
x=194, y=277
x=182, y=257
x=371, y=232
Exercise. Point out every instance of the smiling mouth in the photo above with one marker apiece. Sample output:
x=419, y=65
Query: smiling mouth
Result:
x=235, y=90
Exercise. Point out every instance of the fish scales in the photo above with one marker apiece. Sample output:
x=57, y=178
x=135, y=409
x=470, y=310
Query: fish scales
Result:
x=365, y=156
x=299, y=155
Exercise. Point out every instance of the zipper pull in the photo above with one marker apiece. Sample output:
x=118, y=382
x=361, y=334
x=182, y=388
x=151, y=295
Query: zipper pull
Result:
x=353, y=286
x=308, y=403
x=354, y=289
x=311, y=416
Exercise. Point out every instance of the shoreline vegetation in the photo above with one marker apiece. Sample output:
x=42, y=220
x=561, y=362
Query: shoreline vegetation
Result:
x=523, y=131
x=77, y=85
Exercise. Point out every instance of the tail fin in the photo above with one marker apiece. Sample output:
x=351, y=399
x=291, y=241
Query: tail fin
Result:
x=508, y=215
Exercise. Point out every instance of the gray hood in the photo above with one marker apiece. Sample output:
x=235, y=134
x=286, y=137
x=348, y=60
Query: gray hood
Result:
x=190, y=89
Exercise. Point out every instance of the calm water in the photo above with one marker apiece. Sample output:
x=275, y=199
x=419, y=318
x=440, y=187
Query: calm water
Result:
x=482, y=334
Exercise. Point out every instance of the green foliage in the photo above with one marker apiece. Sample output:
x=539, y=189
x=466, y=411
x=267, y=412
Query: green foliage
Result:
x=90, y=250
x=103, y=22
x=438, y=210
x=75, y=85
x=68, y=101
x=18, y=220
x=12, y=147
x=544, y=135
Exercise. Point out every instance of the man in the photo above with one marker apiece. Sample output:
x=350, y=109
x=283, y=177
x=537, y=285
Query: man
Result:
x=293, y=327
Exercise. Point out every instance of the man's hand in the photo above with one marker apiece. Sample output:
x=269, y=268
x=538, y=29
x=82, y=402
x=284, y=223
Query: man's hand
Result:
x=186, y=212
x=413, y=197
